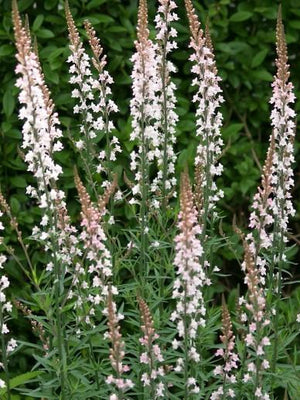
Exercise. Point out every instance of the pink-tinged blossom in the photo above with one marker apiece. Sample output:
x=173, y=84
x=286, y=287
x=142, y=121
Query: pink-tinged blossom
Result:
x=283, y=124
x=152, y=356
x=272, y=204
x=41, y=136
x=40, y=130
x=117, y=352
x=191, y=277
x=164, y=183
x=227, y=371
x=208, y=100
x=99, y=273
x=144, y=106
x=255, y=339
x=93, y=95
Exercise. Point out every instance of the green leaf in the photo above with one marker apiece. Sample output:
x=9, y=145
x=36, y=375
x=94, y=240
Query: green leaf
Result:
x=18, y=181
x=21, y=380
x=94, y=3
x=15, y=205
x=294, y=24
x=37, y=22
x=240, y=16
x=45, y=33
x=232, y=130
x=259, y=58
x=8, y=102
x=6, y=50
x=263, y=75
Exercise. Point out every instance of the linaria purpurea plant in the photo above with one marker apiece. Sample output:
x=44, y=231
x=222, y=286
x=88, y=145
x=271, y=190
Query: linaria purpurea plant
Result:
x=132, y=309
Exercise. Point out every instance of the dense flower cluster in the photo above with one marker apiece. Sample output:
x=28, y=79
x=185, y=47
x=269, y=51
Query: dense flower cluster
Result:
x=40, y=140
x=283, y=123
x=257, y=320
x=144, y=107
x=165, y=181
x=272, y=205
x=116, y=351
x=208, y=100
x=40, y=128
x=191, y=277
x=93, y=94
x=95, y=281
x=227, y=371
x=152, y=357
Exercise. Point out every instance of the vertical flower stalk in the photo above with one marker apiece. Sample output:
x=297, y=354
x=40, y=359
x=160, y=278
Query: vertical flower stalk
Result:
x=145, y=111
x=208, y=100
x=94, y=102
x=117, y=352
x=272, y=206
x=283, y=123
x=164, y=183
x=257, y=320
x=261, y=218
x=230, y=359
x=152, y=355
x=97, y=278
x=41, y=136
x=188, y=287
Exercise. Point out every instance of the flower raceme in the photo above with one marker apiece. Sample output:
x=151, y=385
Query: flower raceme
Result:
x=208, y=100
x=272, y=206
x=191, y=278
x=94, y=102
x=164, y=183
x=41, y=126
x=152, y=356
x=144, y=107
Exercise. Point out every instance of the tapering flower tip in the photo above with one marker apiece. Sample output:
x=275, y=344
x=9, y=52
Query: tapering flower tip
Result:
x=84, y=197
x=208, y=40
x=210, y=46
x=22, y=38
x=99, y=60
x=281, y=48
x=73, y=32
x=142, y=24
x=109, y=191
x=147, y=320
x=226, y=323
x=195, y=26
x=186, y=200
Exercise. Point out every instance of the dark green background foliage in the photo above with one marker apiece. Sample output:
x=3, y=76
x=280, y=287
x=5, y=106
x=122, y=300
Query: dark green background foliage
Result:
x=244, y=37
